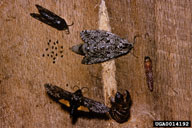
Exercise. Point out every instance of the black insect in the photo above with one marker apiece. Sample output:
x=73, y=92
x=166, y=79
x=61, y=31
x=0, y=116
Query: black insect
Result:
x=148, y=72
x=51, y=19
x=75, y=101
x=100, y=46
x=120, y=107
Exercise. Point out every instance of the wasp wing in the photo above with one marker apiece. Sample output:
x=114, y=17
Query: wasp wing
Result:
x=95, y=106
x=58, y=94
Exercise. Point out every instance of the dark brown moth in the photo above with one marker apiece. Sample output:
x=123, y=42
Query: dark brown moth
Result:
x=75, y=101
x=50, y=19
x=148, y=72
x=100, y=46
x=120, y=107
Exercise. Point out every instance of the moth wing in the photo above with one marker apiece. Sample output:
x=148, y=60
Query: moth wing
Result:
x=102, y=46
x=95, y=106
x=40, y=18
x=83, y=108
x=98, y=35
x=93, y=59
x=58, y=94
x=47, y=14
x=50, y=18
x=100, y=55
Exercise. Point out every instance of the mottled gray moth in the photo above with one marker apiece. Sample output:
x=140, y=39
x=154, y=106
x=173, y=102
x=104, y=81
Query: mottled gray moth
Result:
x=51, y=19
x=100, y=46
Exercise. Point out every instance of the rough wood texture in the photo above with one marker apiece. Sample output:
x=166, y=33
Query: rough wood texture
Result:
x=168, y=24
x=109, y=67
x=23, y=70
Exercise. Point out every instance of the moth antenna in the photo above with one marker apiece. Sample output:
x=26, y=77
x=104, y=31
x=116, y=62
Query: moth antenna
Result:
x=147, y=36
x=134, y=54
x=67, y=30
x=134, y=41
x=85, y=88
x=75, y=86
x=135, y=37
x=70, y=24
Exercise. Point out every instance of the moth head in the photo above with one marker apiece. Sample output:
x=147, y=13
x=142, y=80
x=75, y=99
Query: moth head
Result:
x=80, y=91
x=77, y=96
x=64, y=26
x=78, y=49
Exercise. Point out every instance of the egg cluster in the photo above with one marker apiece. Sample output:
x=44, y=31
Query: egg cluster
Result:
x=53, y=50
